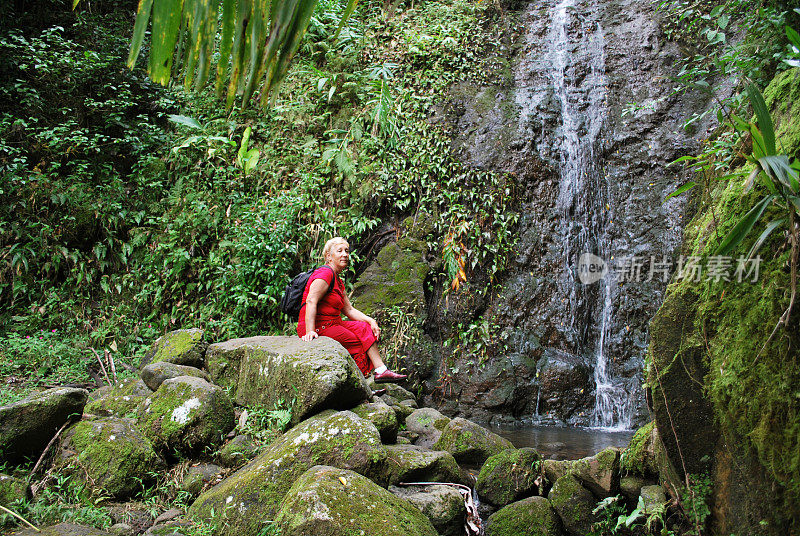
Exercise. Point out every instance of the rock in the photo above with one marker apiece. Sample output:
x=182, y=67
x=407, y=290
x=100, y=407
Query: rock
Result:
x=442, y=505
x=529, y=517
x=169, y=515
x=395, y=278
x=239, y=450
x=27, y=426
x=63, y=529
x=639, y=457
x=397, y=392
x=198, y=477
x=133, y=514
x=599, y=473
x=121, y=529
x=630, y=486
x=12, y=490
x=509, y=476
x=155, y=373
x=566, y=384
x=182, y=347
x=308, y=376
x=186, y=415
x=251, y=496
x=654, y=498
x=120, y=400
x=409, y=463
x=170, y=528
x=574, y=505
x=402, y=408
x=327, y=501
x=428, y=424
x=382, y=416
x=111, y=455
x=470, y=443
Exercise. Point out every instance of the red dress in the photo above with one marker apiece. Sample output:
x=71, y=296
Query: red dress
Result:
x=355, y=336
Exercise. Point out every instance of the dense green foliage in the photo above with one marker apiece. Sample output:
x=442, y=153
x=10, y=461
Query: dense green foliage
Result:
x=118, y=224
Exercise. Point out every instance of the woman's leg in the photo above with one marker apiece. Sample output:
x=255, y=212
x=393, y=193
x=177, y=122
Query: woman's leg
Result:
x=375, y=356
x=352, y=343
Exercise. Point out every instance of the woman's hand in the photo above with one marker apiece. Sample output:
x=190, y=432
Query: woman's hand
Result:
x=310, y=336
x=375, y=329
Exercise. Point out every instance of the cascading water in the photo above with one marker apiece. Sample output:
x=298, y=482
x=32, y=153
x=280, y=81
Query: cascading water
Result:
x=583, y=201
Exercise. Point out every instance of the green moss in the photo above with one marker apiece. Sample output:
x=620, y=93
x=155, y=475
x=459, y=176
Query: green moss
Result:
x=182, y=347
x=724, y=329
x=532, y=517
x=509, y=476
x=635, y=459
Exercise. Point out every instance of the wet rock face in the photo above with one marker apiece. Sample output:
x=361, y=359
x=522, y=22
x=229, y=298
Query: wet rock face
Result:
x=593, y=181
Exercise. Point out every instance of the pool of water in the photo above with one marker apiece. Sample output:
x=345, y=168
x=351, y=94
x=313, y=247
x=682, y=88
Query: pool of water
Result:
x=563, y=443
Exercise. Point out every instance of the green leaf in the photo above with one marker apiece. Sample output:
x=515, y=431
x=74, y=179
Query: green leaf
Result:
x=764, y=119
x=139, y=29
x=186, y=121
x=778, y=167
x=758, y=243
x=745, y=225
x=351, y=6
x=793, y=36
x=685, y=188
x=165, y=21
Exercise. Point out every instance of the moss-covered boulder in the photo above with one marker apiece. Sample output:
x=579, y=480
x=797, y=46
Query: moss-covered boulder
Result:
x=251, y=496
x=599, y=473
x=470, y=443
x=120, y=400
x=154, y=374
x=186, y=415
x=328, y=501
x=199, y=476
x=382, y=416
x=509, y=476
x=533, y=516
x=395, y=279
x=27, y=426
x=653, y=497
x=396, y=391
x=574, y=505
x=409, y=463
x=442, y=505
x=428, y=424
x=239, y=450
x=639, y=458
x=308, y=376
x=675, y=374
x=111, y=455
x=630, y=486
x=12, y=490
x=182, y=347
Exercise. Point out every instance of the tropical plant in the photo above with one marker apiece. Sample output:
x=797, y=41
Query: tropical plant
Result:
x=255, y=42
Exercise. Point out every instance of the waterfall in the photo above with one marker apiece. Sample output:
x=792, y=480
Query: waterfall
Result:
x=583, y=199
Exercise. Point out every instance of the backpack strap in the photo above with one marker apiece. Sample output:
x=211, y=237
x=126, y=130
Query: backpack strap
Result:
x=330, y=287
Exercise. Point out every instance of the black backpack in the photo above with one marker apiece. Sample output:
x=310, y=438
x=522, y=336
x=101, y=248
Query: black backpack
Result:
x=292, y=300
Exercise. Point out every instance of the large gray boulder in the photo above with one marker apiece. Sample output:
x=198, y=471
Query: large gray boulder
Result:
x=382, y=416
x=328, y=501
x=119, y=400
x=182, y=347
x=442, y=505
x=533, y=516
x=309, y=377
x=110, y=455
x=154, y=374
x=470, y=443
x=27, y=426
x=200, y=476
x=600, y=473
x=574, y=505
x=409, y=463
x=186, y=415
x=509, y=476
x=428, y=424
x=252, y=495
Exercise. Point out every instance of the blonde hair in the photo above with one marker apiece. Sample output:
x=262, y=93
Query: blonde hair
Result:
x=329, y=246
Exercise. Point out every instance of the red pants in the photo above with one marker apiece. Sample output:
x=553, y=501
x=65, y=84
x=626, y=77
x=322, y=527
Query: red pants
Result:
x=355, y=336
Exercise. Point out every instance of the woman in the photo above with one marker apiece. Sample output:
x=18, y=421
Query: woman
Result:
x=321, y=314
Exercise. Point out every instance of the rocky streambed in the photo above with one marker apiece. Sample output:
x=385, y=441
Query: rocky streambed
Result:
x=342, y=468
